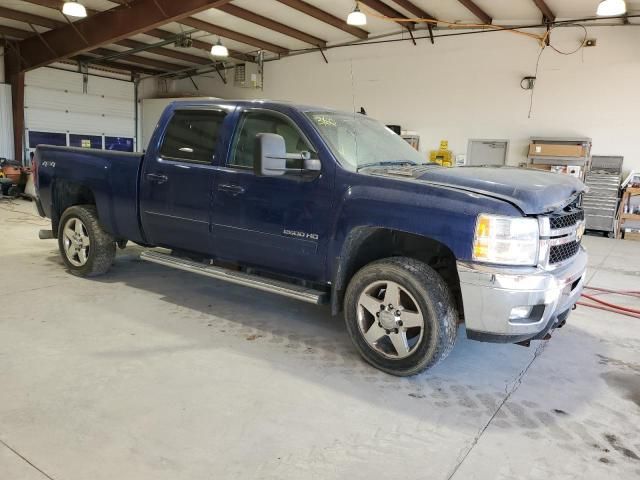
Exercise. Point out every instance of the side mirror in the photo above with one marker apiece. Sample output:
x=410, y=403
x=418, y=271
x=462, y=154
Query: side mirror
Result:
x=270, y=155
x=311, y=164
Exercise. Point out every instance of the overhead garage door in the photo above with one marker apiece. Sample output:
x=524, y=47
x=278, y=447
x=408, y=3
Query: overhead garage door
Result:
x=67, y=108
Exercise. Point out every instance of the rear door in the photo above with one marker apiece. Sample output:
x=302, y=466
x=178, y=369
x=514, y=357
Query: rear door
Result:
x=178, y=176
x=280, y=223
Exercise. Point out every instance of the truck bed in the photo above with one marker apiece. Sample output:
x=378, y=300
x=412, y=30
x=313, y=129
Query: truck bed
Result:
x=111, y=177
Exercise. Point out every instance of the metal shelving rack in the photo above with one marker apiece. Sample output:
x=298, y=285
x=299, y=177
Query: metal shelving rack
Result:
x=582, y=162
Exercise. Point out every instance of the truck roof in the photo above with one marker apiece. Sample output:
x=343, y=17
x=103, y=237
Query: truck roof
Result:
x=274, y=104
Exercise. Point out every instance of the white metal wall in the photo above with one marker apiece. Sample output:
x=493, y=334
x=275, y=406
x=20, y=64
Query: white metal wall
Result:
x=56, y=101
x=6, y=122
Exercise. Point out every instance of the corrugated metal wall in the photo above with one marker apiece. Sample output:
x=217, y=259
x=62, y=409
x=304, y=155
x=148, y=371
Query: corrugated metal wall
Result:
x=56, y=101
x=6, y=122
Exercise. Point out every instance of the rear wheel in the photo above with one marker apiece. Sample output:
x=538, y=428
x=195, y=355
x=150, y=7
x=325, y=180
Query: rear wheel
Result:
x=400, y=315
x=86, y=249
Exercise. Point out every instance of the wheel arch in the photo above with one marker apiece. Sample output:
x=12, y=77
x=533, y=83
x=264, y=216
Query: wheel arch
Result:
x=68, y=194
x=366, y=244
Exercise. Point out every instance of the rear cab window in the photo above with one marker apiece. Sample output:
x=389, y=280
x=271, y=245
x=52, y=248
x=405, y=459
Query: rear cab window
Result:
x=192, y=135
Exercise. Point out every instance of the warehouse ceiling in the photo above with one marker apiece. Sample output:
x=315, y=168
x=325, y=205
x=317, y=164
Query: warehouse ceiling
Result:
x=276, y=27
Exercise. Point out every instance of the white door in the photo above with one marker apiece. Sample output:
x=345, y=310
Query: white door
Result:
x=67, y=108
x=487, y=152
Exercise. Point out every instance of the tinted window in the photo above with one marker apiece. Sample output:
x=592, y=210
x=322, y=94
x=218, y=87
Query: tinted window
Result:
x=121, y=144
x=47, y=138
x=192, y=135
x=85, y=141
x=253, y=123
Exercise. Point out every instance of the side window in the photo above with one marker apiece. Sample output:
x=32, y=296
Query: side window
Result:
x=253, y=123
x=192, y=135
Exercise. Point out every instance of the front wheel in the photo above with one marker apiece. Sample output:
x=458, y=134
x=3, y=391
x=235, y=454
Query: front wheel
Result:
x=86, y=249
x=400, y=315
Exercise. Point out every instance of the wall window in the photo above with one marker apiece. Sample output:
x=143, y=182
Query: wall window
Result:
x=192, y=135
x=253, y=123
x=85, y=141
x=47, y=138
x=120, y=144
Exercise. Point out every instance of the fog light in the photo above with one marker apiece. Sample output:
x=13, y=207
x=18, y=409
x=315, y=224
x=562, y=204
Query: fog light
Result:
x=519, y=313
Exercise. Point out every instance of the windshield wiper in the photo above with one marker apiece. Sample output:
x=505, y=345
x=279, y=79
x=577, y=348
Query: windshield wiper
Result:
x=383, y=164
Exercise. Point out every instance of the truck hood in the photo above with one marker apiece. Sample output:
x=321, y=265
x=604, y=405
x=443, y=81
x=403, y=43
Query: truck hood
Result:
x=532, y=191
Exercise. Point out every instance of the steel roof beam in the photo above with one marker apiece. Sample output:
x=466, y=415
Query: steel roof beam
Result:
x=477, y=11
x=232, y=35
x=547, y=14
x=272, y=24
x=325, y=17
x=107, y=27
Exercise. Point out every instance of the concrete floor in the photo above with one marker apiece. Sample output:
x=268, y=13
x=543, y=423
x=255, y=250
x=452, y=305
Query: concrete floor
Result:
x=149, y=373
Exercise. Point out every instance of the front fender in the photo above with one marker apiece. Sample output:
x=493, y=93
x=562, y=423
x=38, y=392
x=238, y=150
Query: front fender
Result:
x=438, y=213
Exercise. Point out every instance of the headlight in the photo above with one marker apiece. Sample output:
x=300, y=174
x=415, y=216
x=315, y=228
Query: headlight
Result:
x=506, y=240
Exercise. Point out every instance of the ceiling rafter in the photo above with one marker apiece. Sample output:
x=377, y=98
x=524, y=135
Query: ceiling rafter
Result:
x=178, y=55
x=107, y=27
x=414, y=9
x=164, y=35
x=137, y=59
x=547, y=13
x=23, y=34
x=232, y=35
x=56, y=5
x=25, y=17
x=325, y=17
x=271, y=24
x=14, y=32
x=154, y=32
x=85, y=59
x=51, y=24
x=224, y=32
x=474, y=8
x=384, y=9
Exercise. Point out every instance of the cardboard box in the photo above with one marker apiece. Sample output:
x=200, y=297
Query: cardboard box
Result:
x=550, y=150
x=635, y=236
x=540, y=166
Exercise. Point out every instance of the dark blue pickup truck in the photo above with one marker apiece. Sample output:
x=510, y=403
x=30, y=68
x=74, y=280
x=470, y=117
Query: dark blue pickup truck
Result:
x=330, y=207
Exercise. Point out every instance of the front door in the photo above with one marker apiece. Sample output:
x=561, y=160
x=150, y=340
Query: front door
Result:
x=280, y=223
x=177, y=180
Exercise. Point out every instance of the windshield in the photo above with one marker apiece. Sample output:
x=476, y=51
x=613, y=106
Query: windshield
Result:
x=358, y=140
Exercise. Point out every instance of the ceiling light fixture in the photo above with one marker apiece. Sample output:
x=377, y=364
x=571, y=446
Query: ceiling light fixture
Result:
x=219, y=50
x=609, y=8
x=356, y=18
x=74, y=9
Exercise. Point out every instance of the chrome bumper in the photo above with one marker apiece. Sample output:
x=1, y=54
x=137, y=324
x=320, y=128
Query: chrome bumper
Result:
x=490, y=293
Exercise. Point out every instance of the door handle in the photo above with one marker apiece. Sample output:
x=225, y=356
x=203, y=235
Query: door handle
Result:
x=232, y=189
x=157, y=178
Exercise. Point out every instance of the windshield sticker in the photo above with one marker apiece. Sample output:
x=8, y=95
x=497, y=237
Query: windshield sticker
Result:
x=325, y=121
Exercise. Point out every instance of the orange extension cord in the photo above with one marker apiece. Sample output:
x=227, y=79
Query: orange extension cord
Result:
x=433, y=21
x=611, y=307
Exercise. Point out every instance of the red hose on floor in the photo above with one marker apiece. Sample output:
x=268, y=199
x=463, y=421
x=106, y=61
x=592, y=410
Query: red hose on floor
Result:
x=612, y=305
x=630, y=293
x=608, y=309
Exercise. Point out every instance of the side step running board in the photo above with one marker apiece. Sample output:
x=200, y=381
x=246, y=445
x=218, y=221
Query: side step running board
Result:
x=260, y=283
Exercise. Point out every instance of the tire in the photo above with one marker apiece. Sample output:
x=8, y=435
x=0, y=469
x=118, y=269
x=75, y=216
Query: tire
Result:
x=422, y=291
x=94, y=248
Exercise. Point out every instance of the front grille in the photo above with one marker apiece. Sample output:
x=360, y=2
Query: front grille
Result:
x=560, y=253
x=564, y=226
x=564, y=219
